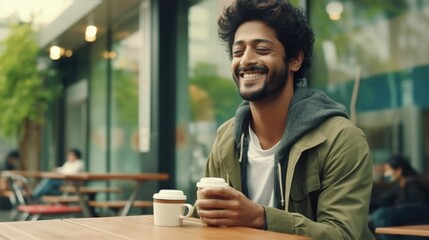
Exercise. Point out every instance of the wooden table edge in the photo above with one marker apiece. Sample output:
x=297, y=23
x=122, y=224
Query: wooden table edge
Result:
x=85, y=176
x=403, y=230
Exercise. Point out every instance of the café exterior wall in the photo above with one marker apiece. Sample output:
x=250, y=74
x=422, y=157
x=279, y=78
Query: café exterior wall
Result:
x=192, y=92
x=383, y=45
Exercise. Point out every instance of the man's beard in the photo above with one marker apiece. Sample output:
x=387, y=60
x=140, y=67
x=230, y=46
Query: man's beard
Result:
x=272, y=86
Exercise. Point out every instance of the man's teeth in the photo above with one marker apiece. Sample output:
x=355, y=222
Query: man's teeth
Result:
x=251, y=75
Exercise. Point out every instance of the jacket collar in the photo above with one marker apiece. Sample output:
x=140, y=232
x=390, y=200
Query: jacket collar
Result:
x=309, y=108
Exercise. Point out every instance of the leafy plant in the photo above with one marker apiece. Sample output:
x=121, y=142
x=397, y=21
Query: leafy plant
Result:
x=27, y=87
x=211, y=94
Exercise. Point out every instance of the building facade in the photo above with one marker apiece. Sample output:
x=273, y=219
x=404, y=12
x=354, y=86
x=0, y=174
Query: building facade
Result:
x=148, y=94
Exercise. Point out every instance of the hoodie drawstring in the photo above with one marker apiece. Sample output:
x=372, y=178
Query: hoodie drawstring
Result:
x=241, y=148
x=279, y=176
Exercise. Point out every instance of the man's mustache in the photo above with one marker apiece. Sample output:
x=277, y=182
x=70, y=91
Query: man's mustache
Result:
x=252, y=68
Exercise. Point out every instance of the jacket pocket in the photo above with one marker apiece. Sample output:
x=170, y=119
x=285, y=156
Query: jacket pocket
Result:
x=304, y=197
x=311, y=183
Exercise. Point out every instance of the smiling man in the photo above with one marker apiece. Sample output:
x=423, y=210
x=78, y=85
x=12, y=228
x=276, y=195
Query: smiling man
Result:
x=294, y=162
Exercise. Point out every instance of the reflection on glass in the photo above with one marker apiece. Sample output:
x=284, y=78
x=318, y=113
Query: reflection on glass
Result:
x=98, y=110
x=124, y=104
x=212, y=94
x=386, y=40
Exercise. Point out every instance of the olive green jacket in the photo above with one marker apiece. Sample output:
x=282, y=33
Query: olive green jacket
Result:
x=328, y=181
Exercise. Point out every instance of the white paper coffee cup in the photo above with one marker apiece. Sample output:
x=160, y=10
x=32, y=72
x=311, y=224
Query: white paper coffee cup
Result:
x=211, y=182
x=169, y=207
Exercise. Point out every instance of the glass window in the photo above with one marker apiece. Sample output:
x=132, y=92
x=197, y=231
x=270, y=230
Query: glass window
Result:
x=378, y=50
x=98, y=109
x=114, y=105
x=124, y=56
x=124, y=98
x=212, y=94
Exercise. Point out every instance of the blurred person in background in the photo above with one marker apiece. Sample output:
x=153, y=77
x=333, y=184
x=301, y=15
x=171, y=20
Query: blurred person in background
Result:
x=73, y=165
x=407, y=201
x=11, y=161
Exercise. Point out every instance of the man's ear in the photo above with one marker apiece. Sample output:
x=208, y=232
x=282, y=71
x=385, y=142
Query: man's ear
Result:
x=295, y=63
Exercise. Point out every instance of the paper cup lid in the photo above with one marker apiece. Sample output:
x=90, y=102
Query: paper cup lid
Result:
x=211, y=182
x=170, y=194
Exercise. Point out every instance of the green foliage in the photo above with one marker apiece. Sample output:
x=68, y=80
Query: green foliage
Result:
x=125, y=97
x=25, y=90
x=222, y=93
x=348, y=35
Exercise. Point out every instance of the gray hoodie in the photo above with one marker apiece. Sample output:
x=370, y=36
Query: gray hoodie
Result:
x=308, y=109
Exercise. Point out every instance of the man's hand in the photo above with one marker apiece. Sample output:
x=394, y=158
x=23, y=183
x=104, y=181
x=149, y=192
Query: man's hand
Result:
x=229, y=207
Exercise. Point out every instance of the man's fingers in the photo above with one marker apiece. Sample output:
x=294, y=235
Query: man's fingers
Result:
x=218, y=217
x=220, y=198
x=220, y=193
x=216, y=214
x=211, y=204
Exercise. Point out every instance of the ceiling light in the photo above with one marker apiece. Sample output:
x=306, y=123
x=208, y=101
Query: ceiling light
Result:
x=91, y=33
x=68, y=53
x=334, y=10
x=55, y=52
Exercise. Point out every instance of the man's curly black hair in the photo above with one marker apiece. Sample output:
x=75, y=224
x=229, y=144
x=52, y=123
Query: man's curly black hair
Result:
x=288, y=22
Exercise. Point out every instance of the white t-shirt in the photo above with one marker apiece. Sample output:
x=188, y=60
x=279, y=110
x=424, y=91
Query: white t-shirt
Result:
x=71, y=167
x=260, y=171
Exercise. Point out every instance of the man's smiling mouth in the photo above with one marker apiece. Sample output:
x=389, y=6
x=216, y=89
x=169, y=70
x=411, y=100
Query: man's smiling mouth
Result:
x=251, y=75
x=252, y=72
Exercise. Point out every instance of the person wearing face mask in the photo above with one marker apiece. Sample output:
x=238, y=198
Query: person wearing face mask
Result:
x=406, y=203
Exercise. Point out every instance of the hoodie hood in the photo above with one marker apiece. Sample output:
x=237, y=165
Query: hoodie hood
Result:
x=308, y=109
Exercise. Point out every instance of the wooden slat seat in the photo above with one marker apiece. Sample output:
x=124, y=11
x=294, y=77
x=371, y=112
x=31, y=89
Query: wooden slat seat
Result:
x=119, y=204
x=31, y=211
x=60, y=199
x=49, y=209
x=89, y=190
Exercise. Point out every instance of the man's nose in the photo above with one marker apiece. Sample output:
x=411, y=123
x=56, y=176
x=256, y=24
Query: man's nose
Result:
x=248, y=58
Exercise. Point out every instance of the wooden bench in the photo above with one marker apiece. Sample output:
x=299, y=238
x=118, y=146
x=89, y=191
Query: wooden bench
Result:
x=119, y=204
x=90, y=190
x=60, y=199
x=68, y=196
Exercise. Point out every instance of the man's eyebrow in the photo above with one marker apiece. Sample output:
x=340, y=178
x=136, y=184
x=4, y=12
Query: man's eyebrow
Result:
x=241, y=42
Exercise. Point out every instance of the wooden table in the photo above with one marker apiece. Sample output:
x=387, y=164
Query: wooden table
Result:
x=130, y=227
x=77, y=181
x=415, y=230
